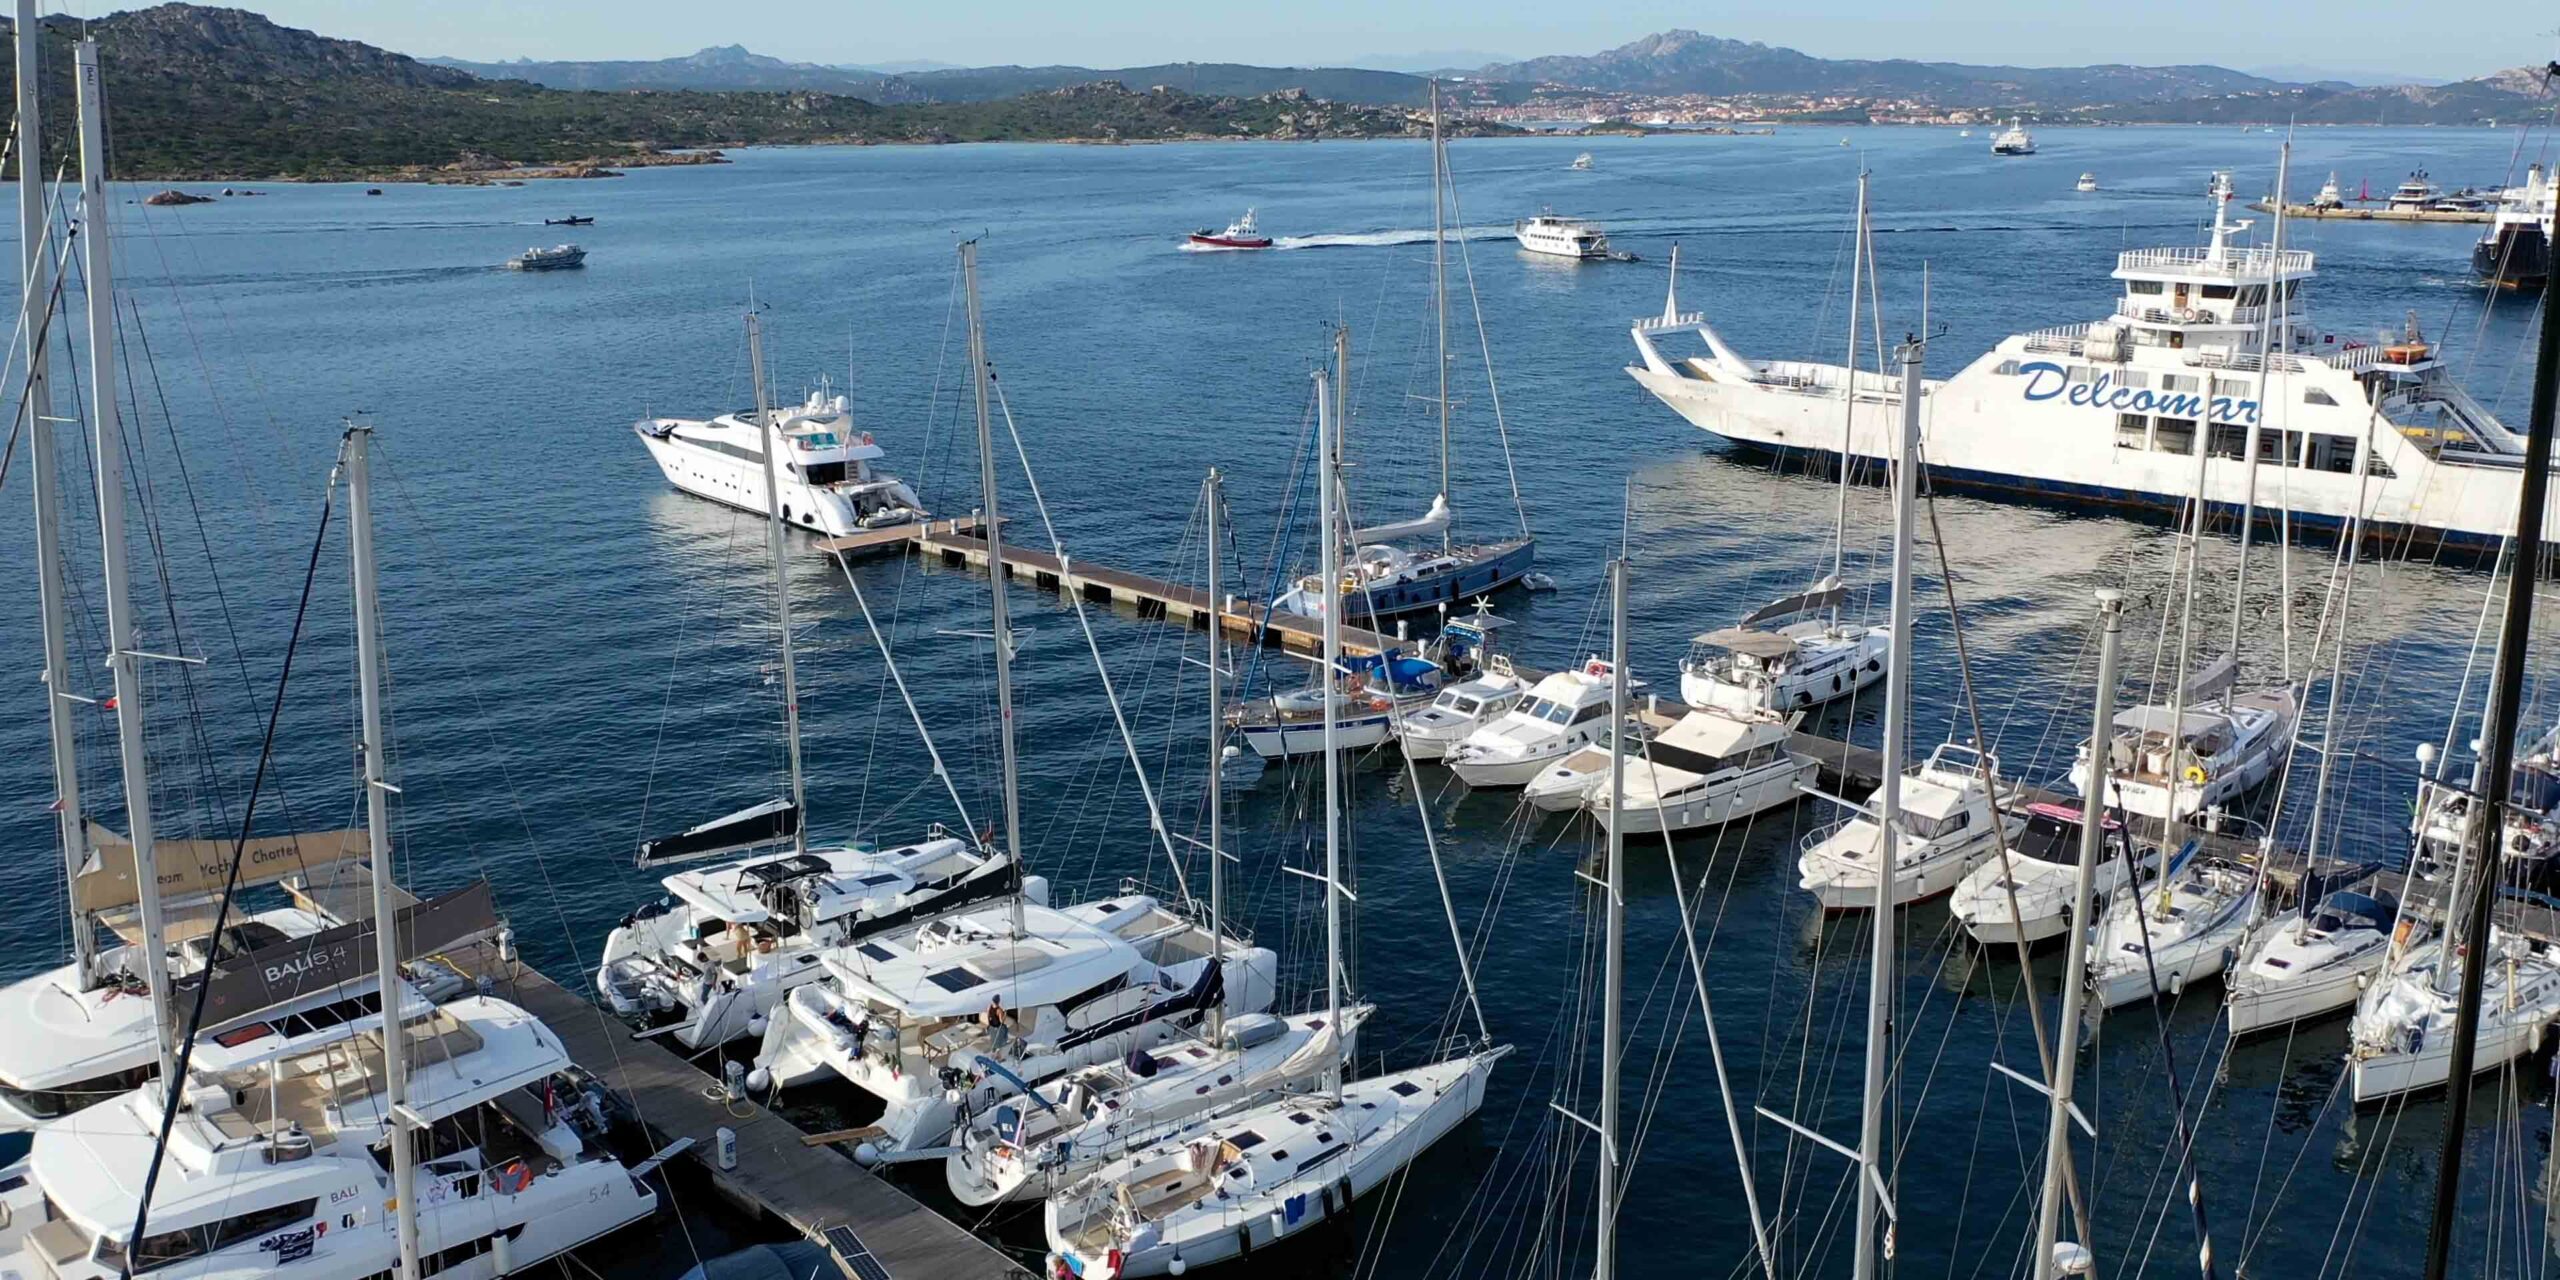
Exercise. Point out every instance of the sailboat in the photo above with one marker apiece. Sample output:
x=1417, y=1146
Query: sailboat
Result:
x=1270, y=1170
x=1383, y=578
x=711, y=960
x=1820, y=656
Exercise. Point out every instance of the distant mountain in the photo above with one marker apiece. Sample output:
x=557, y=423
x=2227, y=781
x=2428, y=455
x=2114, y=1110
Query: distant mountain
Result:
x=1427, y=60
x=2339, y=77
x=2504, y=97
x=1687, y=62
x=724, y=67
x=908, y=67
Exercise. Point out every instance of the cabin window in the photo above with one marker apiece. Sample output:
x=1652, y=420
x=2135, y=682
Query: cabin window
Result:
x=2007, y=369
x=2314, y=395
x=2177, y=435
x=2226, y=442
x=2333, y=453
x=1245, y=1140
x=194, y=1242
x=824, y=473
x=1592, y=712
x=2222, y=292
x=2151, y=287
x=2133, y=431
x=1928, y=828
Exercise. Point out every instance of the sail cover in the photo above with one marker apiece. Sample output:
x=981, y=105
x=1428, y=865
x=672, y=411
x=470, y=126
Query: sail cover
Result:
x=1432, y=521
x=192, y=869
x=768, y=823
x=1826, y=594
x=1764, y=645
x=271, y=975
x=2216, y=677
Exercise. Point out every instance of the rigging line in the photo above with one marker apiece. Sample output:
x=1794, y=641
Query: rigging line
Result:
x=2194, y=1177
x=1448, y=905
x=1155, y=816
x=43, y=336
x=1484, y=343
x=173, y=1090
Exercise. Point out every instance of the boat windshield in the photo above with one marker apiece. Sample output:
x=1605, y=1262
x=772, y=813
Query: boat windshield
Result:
x=1549, y=710
x=1924, y=827
x=1458, y=702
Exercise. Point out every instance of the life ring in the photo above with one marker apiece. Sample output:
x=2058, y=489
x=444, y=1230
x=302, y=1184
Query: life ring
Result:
x=1377, y=704
x=512, y=1177
x=2195, y=775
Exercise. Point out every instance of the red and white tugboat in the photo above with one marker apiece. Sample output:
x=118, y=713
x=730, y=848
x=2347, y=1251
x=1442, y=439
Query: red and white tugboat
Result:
x=1240, y=234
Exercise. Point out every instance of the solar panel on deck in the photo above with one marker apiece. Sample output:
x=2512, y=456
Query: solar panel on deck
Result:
x=852, y=1256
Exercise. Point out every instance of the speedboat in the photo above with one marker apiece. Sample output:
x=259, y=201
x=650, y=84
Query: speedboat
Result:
x=1561, y=237
x=1486, y=687
x=2042, y=878
x=828, y=482
x=2221, y=746
x=2013, y=141
x=1800, y=665
x=1243, y=233
x=2313, y=962
x=1949, y=824
x=1582, y=163
x=573, y=220
x=2163, y=937
x=727, y=944
x=1708, y=768
x=2088, y=183
x=2402, y=1037
x=554, y=258
x=1028, y=1146
x=1562, y=715
x=970, y=1009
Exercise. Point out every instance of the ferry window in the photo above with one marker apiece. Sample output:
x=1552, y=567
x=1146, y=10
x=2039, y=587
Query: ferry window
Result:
x=2381, y=470
x=2226, y=442
x=2133, y=431
x=2314, y=395
x=2132, y=378
x=2333, y=453
x=2218, y=291
x=2177, y=435
x=2007, y=369
x=2142, y=286
x=2275, y=448
x=2230, y=387
x=2180, y=382
x=2253, y=295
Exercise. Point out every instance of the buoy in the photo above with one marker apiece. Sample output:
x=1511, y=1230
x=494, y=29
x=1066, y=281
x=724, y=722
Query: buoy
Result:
x=865, y=1154
x=2195, y=775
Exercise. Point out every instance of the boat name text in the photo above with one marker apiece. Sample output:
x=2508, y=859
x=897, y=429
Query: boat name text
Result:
x=2046, y=380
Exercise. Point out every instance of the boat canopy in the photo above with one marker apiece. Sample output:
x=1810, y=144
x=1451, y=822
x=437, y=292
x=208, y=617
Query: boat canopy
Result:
x=1826, y=594
x=2156, y=720
x=1431, y=522
x=1764, y=645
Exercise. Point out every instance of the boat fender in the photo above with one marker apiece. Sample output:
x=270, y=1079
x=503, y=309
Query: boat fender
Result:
x=2178, y=982
x=755, y=1024
x=2195, y=775
x=1177, y=1266
x=1244, y=1241
x=1347, y=1198
x=1326, y=1194
x=759, y=1080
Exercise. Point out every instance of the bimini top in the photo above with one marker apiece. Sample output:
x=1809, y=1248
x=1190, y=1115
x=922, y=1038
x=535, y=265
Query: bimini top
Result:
x=954, y=966
x=829, y=882
x=2192, y=724
x=1764, y=645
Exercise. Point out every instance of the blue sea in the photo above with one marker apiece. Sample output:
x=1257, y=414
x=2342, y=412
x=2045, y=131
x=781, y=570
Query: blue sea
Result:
x=582, y=658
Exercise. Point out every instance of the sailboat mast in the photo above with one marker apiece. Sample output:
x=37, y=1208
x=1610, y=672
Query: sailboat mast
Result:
x=1872, y=1195
x=2173, y=828
x=107, y=457
x=1331, y=465
x=1849, y=382
x=2273, y=315
x=2492, y=777
x=771, y=443
x=2093, y=838
x=1214, y=496
x=1440, y=288
x=992, y=529
x=377, y=829
x=37, y=307
x=1613, y=980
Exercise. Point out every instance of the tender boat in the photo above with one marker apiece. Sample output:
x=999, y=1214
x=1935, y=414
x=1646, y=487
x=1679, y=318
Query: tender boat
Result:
x=2313, y=962
x=1708, y=768
x=2515, y=253
x=554, y=258
x=1949, y=825
x=1801, y=665
x=2088, y=182
x=2402, y=1037
x=829, y=483
x=2013, y=141
x=1568, y=785
x=2177, y=931
x=1243, y=233
x=2043, y=876
x=1561, y=237
x=1563, y=713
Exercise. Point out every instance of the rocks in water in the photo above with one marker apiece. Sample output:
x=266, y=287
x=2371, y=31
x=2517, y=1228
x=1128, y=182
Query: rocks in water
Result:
x=175, y=196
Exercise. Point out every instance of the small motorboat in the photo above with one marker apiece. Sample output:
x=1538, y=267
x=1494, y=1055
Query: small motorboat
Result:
x=551, y=259
x=2088, y=182
x=1582, y=163
x=1243, y=233
x=573, y=220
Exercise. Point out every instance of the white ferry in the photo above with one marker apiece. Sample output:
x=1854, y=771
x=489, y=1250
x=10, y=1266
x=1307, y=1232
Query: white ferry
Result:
x=2111, y=411
x=1560, y=237
x=2013, y=141
x=827, y=481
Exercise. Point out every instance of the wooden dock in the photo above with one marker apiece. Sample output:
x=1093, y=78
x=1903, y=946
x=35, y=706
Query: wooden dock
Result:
x=778, y=1173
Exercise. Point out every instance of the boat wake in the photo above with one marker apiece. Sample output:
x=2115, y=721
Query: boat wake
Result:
x=1384, y=239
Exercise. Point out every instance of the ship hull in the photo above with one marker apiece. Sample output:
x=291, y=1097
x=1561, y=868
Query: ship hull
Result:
x=2516, y=255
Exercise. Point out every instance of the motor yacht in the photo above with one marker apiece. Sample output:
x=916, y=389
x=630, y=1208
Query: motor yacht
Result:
x=2088, y=182
x=2402, y=1038
x=2530, y=844
x=1568, y=785
x=726, y=944
x=1800, y=665
x=1708, y=768
x=2415, y=195
x=557, y=257
x=907, y=1017
x=1950, y=823
x=1243, y=233
x=2043, y=875
x=2162, y=937
x=828, y=481
x=1428, y=733
x=1562, y=714
x=1561, y=237
x=2330, y=196
x=2311, y=962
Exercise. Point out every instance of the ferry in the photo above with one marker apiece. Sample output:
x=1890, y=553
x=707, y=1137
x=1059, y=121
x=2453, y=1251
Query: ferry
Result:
x=2111, y=411
x=828, y=483
x=1561, y=238
x=555, y=258
x=2013, y=141
x=1243, y=233
x=2516, y=251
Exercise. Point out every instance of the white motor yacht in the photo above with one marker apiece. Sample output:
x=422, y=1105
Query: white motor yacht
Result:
x=2402, y=1037
x=2162, y=937
x=2312, y=962
x=1561, y=237
x=2088, y=182
x=727, y=943
x=2225, y=744
x=2416, y=195
x=1708, y=768
x=558, y=257
x=2043, y=876
x=906, y=1017
x=1030, y=1145
x=1428, y=733
x=1568, y=784
x=828, y=480
x=2330, y=196
x=278, y=1161
x=2531, y=840
x=1949, y=825
x=1563, y=713
x=1803, y=664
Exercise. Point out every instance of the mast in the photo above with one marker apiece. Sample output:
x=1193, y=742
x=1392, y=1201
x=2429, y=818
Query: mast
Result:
x=1613, y=981
x=108, y=459
x=1332, y=569
x=1216, y=493
x=1440, y=290
x=1342, y=424
x=2491, y=777
x=2066, y=1049
x=35, y=311
x=377, y=827
x=2271, y=319
x=770, y=440
x=2173, y=829
x=1849, y=382
x=1872, y=1193
x=992, y=529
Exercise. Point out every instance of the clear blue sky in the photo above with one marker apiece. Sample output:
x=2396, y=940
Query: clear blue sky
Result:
x=2458, y=40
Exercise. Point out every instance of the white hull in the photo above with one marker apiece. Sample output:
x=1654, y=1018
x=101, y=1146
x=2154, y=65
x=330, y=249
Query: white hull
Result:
x=1280, y=741
x=2258, y=1006
x=1840, y=888
x=1828, y=669
x=2387, y=1074
x=1745, y=797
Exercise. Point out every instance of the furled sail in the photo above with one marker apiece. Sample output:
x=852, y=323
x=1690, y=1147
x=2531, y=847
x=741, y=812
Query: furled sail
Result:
x=332, y=958
x=1432, y=521
x=2216, y=677
x=1826, y=594
x=771, y=822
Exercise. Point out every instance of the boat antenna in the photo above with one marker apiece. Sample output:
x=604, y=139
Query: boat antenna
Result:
x=2490, y=779
x=1213, y=494
x=1440, y=291
x=991, y=528
x=771, y=442
x=107, y=459
x=35, y=227
x=1330, y=461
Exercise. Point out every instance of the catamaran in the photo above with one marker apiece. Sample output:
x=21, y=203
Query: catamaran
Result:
x=827, y=483
x=2114, y=411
